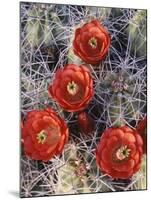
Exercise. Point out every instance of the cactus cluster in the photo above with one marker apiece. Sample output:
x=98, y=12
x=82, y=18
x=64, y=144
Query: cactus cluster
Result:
x=119, y=85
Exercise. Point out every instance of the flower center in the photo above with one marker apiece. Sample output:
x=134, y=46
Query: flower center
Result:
x=72, y=88
x=123, y=153
x=41, y=137
x=93, y=42
x=81, y=170
x=119, y=85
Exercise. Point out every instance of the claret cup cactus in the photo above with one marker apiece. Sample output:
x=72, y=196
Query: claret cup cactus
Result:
x=83, y=99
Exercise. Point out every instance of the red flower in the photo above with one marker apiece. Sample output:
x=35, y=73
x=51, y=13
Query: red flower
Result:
x=119, y=152
x=142, y=130
x=44, y=134
x=91, y=42
x=85, y=122
x=72, y=87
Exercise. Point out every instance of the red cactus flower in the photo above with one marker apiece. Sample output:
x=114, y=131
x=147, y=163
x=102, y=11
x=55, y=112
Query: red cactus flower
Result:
x=142, y=130
x=119, y=152
x=91, y=42
x=72, y=87
x=85, y=123
x=43, y=134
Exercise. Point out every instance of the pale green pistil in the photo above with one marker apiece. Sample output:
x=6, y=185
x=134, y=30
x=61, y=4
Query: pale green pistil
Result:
x=93, y=42
x=122, y=153
x=41, y=137
x=72, y=88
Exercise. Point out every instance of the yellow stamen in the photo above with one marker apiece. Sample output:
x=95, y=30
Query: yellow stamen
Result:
x=93, y=42
x=41, y=137
x=123, y=153
x=72, y=88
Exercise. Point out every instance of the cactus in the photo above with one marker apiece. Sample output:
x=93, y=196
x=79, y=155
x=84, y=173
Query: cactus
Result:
x=140, y=178
x=77, y=175
x=37, y=28
x=47, y=33
x=137, y=33
x=125, y=97
x=73, y=174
